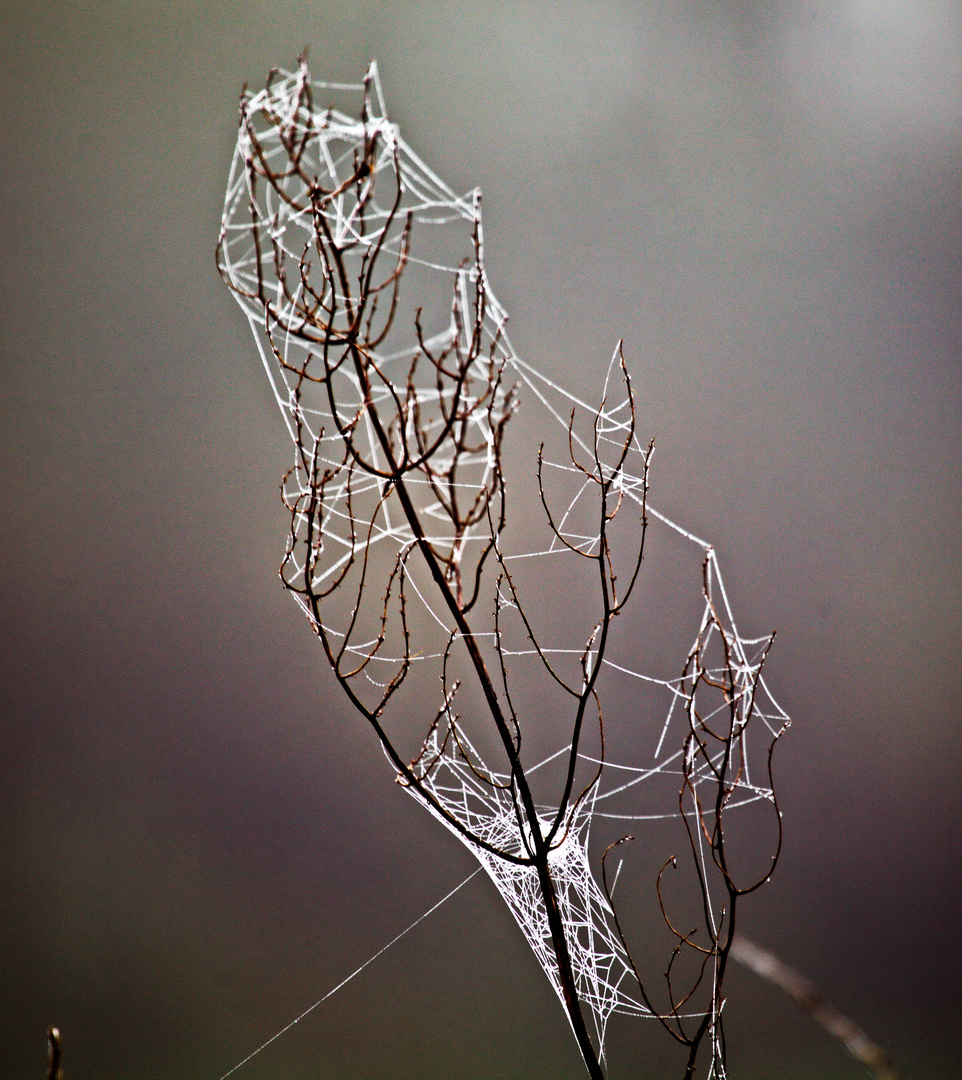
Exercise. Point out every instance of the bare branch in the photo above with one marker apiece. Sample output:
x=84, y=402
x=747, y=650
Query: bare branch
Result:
x=397, y=499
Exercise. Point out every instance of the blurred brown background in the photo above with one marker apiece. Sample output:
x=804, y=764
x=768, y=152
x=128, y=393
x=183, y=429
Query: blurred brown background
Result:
x=199, y=839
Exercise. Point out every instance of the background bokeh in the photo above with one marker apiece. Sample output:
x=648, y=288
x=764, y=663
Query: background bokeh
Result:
x=198, y=838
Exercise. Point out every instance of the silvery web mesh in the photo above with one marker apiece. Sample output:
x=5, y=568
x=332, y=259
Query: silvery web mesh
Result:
x=265, y=233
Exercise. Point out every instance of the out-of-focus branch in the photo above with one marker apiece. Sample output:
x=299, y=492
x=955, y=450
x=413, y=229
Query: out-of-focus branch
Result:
x=54, y=1069
x=810, y=1000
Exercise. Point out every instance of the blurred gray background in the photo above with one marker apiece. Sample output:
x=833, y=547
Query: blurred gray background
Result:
x=198, y=838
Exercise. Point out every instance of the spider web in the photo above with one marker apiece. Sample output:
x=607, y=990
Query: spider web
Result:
x=416, y=219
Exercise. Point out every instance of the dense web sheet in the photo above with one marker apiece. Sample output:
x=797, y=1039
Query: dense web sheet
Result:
x=343, y=521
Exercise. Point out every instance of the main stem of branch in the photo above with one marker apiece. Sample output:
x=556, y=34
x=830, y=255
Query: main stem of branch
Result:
x=555, y=923
x=559, y=942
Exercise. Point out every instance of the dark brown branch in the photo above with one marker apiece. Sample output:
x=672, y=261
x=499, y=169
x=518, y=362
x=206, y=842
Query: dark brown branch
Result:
x=403, y=449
